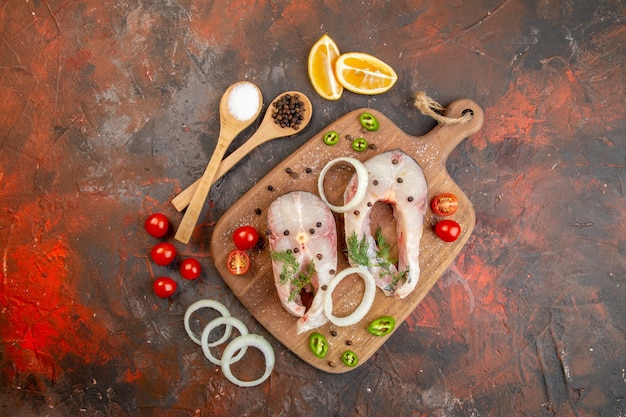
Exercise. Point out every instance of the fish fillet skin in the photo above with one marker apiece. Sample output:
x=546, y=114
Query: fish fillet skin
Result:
x=299, y=221
x=394, y=178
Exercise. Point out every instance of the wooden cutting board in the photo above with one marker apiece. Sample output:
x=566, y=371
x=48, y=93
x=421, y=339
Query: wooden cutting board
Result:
x=300, y=171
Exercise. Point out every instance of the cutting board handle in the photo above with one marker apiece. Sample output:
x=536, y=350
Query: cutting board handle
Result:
x=446, y=137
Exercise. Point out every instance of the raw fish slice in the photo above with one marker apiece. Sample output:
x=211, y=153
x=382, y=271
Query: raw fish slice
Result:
x=394, y=178
x=300, y=222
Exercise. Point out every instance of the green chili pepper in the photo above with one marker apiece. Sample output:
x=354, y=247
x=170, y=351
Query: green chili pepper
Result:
x=359, y=144
x=349, y=358
x=318, y=344
x=331, y=138
x=382, y=326
x=369, y=122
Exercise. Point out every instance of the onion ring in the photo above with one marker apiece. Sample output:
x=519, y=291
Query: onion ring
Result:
x=362, y=176
x=216, y=305
x=230, y=322
x=366, y=301
x=240, y=343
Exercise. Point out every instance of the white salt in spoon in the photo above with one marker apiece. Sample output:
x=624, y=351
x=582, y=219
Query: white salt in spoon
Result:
x=237, y=112
x=268, y=130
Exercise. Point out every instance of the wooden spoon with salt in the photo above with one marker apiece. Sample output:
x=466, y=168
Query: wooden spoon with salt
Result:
x=230, y=126
x=268, y=130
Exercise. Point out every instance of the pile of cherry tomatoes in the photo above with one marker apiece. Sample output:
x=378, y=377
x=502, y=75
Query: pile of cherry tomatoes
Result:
x=244, y=238
x=164, y=253
x=446, y=204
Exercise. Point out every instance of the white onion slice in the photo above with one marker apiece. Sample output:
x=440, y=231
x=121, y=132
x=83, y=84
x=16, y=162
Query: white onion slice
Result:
x=362, y=176
x=241, y=342
x=228, y=321
x=216, y=305
x=366, y=302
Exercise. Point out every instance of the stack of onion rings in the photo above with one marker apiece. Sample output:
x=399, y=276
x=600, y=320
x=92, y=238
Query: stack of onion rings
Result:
x=236, y=348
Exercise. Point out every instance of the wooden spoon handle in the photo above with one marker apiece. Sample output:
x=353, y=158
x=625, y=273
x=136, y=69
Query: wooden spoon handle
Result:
x=188, y=223
x=182, y=200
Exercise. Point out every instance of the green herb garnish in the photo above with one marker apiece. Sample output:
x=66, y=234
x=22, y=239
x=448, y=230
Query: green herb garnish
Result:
x=291, y=273
x=358, y=254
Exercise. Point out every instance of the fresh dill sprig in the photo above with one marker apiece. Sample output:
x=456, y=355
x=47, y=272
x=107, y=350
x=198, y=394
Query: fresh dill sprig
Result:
x=291, y=273
x=357, y=250
x=358, y=254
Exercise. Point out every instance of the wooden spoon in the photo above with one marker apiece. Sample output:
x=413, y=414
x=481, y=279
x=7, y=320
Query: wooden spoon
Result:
x=268, y=130
x=230, y=127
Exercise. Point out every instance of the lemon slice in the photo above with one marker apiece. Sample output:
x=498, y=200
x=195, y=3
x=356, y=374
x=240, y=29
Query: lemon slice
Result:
x=363, y=73
x=321, y=66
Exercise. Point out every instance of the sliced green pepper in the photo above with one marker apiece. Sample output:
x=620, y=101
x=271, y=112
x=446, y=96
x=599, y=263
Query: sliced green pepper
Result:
x=349, y=358
x=369, y=122
x=318, y=344
x=359, y=144
x=382, y=326
x=331, y=138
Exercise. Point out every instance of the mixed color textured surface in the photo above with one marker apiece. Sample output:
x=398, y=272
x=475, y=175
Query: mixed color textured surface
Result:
x=108, y=109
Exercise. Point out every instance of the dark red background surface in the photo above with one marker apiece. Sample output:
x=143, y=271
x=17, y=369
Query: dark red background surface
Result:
x=108, y=109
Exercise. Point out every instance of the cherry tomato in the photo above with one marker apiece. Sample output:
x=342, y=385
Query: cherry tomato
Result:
x=190, y=268
x=444, y=204
x=164, y=287
x=245, y=237
x=448, y=230
x=238, y=262
x=163, y=253
x=157, y=225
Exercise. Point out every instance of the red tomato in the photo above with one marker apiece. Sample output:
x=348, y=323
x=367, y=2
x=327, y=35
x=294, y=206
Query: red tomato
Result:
x=157, y=225
x=238, y=262
x=163, y=253
x=164, y=287
x=190, y=268
x=448, y=230
x=245, y=237
x=444, y=204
